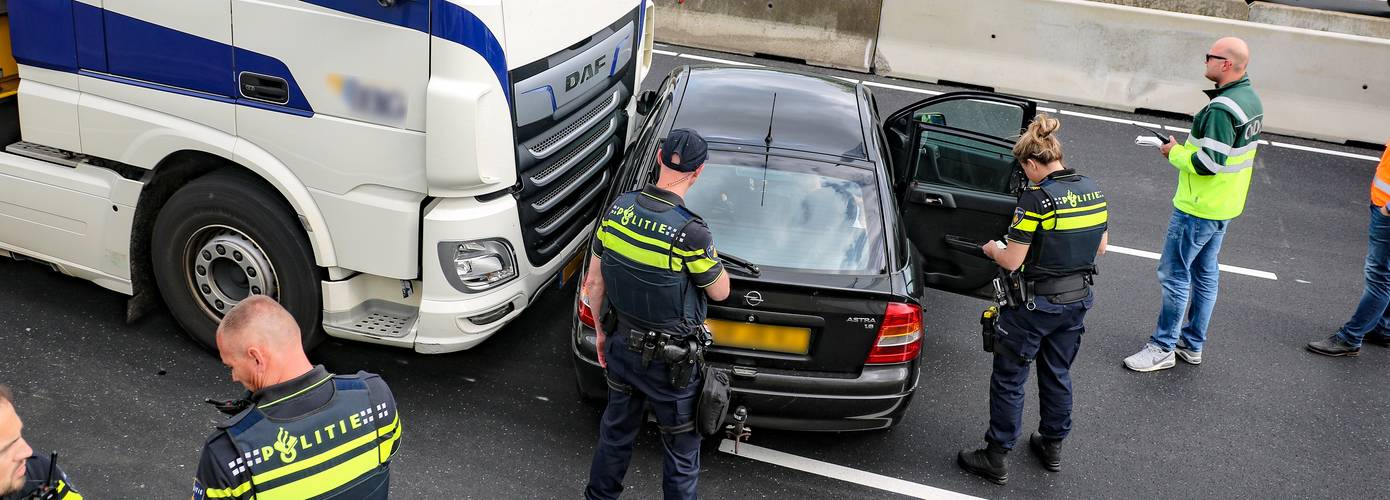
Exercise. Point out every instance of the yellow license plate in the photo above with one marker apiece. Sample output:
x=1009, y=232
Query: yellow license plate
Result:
x=761, y=337
x=572, y=267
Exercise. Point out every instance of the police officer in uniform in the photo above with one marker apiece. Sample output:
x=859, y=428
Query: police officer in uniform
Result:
x=303, y=433
x=655, y=266
x=1059, y=228
x=25, y=475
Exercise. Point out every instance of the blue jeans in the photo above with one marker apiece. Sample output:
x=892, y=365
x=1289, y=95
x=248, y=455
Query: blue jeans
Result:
x=1188, y=272
x=622, y=420
x=1051, y=334
x=1371, y=312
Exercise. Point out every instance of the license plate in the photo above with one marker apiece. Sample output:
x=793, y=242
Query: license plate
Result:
x=786, y=339
x=571, y=268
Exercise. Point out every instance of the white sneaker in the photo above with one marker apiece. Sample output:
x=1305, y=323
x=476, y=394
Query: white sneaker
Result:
x=1150, y=358
x=1190, y=356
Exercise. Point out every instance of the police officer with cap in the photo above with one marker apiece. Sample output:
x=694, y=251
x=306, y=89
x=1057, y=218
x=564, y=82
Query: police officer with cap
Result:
x=304, y=432
x=654, y=265
x=1059, y=228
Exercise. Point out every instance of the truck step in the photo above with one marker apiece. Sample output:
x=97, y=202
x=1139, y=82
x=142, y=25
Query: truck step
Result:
x=375, y=318
x=45, y=153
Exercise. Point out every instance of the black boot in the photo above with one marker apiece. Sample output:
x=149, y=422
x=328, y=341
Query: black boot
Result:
x=1047, y=450
x=987, y=462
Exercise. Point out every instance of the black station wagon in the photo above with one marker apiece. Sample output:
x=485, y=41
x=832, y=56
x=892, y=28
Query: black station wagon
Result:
x=848, y=217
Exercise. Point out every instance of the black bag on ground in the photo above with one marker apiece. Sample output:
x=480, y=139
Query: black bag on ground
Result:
x=713, y=405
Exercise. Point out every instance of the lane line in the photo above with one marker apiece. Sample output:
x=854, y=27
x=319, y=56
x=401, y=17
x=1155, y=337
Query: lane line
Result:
x=839, y=472
x=850, y=80
x=1068, y=112
x=1177, y=129
x=720, y=61
x=665, y=52
x=1047, y=110
x=1323, y=151
x=902, y=88
x=1230, y=269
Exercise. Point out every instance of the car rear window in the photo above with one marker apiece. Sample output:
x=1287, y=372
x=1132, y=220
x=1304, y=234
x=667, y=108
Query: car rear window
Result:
x=791, y=213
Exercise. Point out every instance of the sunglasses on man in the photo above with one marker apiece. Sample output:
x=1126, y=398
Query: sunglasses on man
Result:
x=1214, y=56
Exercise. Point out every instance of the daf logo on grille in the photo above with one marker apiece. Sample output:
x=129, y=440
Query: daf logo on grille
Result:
x=753, y=298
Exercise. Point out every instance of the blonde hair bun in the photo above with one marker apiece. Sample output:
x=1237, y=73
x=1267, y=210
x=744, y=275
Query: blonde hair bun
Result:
x=1040, y=142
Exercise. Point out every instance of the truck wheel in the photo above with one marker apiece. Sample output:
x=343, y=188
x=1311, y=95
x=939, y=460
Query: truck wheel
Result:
x=224, y=237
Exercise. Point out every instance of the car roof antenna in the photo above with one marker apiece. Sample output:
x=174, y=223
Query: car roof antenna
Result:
x=768, y=140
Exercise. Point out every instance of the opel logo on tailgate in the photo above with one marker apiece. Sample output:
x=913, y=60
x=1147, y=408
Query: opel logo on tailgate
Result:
x=753, y=298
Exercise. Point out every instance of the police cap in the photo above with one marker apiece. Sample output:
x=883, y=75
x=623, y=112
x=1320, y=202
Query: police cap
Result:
x=684, y=150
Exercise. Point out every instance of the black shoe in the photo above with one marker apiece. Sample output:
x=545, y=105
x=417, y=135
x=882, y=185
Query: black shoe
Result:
x=987, y=462
x=1377, y=338
x=1333, y=346
x=1047, y=450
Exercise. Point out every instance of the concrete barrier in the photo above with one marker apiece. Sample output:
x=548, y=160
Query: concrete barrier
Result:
x=1229, y=9
x=1321, y=20
x=1314, y=84
x=833, y=33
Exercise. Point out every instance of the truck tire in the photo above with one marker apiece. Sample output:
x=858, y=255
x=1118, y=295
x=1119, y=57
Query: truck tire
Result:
x=226, y=236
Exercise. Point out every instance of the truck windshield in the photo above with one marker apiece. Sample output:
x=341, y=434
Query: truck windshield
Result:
x=791, y=213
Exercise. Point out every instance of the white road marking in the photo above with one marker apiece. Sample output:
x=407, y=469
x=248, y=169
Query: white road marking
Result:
x=1323, y=151
x=720, y=61
x=1068, y=112
x=850, y=80
x=839, y=472
x=1178, y=129
x=1047, y=110
x=1301, y=281
x=665, y=52
x=1230, y=269
x=902, y=88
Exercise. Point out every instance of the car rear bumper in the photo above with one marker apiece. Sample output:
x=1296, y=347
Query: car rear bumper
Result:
x=873, y=399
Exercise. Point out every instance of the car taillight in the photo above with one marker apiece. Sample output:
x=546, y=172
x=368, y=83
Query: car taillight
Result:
x=586, y=315
x=900, y=336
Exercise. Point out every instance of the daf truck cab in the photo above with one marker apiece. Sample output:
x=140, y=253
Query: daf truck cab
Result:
x=403, y=172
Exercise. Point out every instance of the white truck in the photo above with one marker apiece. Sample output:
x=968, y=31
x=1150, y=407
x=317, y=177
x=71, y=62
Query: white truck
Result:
x=402, y=172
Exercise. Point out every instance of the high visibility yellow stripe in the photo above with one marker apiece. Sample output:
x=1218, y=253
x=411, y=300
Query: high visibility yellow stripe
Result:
x=390, y=427
x=1027, y=225
x=229, y=492
x=1082, y=221
x=1039, y=216
x=387, y=447
x=67, y=493
x=639, y=254
x=292, y=468
x=327, y=480
x=1080, y=209
x=702, y=265
x=301, y=391
x=688, y=253
x=639, y=237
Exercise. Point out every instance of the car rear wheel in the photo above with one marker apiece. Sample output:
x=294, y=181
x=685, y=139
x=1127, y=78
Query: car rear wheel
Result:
x=224, y=237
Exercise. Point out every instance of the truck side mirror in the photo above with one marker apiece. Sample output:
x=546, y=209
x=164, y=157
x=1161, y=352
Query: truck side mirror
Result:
x=646, y=101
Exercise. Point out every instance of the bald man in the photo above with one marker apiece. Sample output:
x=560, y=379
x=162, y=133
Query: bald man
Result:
x=23, y=474
x=1214, y=168
x=304, y=432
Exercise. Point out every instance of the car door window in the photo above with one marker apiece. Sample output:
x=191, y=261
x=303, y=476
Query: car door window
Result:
x=953, y=159
x=981, y=116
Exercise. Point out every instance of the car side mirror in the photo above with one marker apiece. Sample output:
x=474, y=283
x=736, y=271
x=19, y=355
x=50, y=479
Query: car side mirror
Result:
x=932, y=118
x=646, y=101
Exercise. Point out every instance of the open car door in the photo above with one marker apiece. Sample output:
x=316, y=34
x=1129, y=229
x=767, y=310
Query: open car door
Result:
x=957, y=181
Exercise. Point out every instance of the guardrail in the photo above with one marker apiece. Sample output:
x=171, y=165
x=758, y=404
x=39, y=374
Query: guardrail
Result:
x=834, y=33
x=1313, y=84
x=1316, y=84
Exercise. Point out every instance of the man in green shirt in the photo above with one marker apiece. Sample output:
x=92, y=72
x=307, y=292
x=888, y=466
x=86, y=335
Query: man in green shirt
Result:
x=1214, y=167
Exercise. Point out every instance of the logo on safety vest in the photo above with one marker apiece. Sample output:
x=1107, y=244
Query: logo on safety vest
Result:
x=1018, y=216
x=284, y=443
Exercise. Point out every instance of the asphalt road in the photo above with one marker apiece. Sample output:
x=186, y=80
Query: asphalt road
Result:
x=1260, y=418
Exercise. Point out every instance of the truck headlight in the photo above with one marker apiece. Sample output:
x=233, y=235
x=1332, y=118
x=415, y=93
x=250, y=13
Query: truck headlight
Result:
x=477, y=265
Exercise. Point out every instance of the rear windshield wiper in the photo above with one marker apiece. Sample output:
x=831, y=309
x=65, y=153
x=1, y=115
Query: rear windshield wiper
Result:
x=742, y=266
